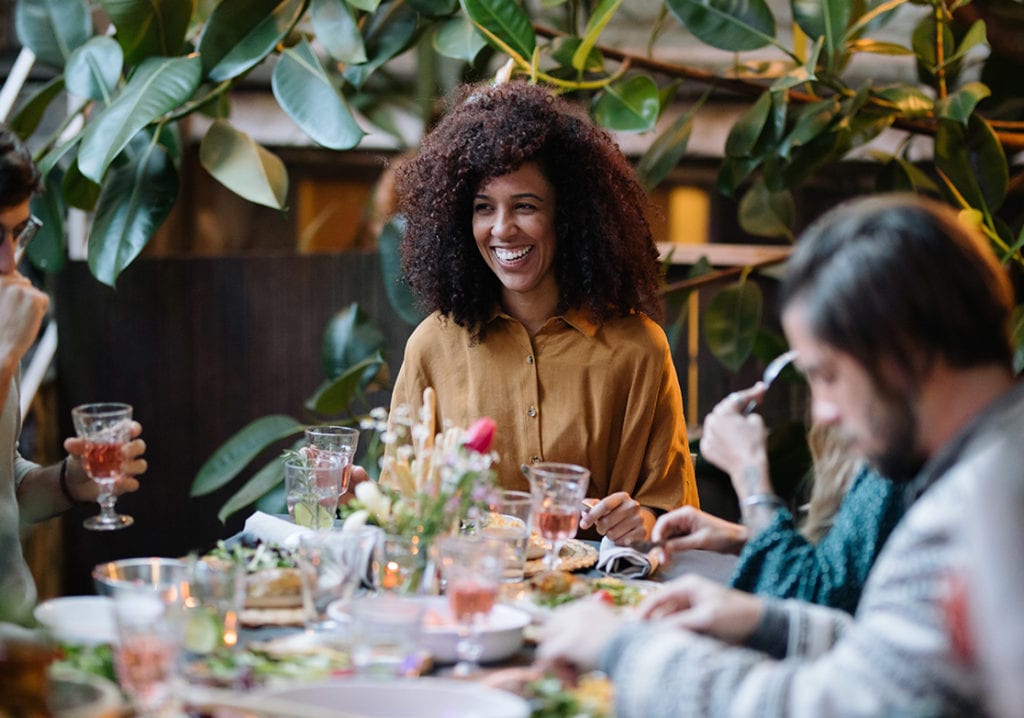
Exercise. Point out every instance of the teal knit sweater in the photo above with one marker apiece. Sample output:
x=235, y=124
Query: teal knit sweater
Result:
x=780, y=562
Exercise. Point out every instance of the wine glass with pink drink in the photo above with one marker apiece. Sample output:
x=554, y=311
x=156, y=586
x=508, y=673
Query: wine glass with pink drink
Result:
x=558, y=491
x=106, y=428
x=473, y=567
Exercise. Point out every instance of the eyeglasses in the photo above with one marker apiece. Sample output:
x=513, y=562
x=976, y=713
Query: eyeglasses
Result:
x=23, y=234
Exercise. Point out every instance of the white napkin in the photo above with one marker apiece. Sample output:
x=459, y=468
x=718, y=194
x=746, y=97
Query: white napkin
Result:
x=271, y=529
x=623, y=561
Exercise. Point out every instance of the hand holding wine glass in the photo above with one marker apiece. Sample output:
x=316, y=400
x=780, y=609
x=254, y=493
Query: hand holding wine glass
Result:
x=473, y=568
x=558, y=491
x=105, y=428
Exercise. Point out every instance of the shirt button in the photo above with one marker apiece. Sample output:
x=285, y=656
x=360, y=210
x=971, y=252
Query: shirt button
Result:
x=529, y=359
x=535, y=459
x=531, y=412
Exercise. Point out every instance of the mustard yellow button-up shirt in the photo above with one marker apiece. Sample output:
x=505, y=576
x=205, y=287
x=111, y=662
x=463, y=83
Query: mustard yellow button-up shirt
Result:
x=603, y=396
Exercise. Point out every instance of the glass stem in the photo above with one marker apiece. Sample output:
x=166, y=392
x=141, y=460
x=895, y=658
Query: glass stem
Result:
x=468, y=649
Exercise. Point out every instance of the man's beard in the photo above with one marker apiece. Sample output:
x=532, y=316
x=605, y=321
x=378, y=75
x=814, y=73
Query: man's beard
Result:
x=900, y=458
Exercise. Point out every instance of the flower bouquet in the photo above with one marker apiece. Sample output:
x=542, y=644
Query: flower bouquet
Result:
x=431, y=484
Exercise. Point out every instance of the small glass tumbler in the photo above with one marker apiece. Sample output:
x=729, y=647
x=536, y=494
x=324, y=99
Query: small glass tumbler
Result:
x=149, y=628
x=340, y=441
x=510, y=523
x=332, y=565
x=213, y=601
x=312, y=487
x=386, y=635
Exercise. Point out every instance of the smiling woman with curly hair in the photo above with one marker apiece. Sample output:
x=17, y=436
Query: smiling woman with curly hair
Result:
x=527, y=240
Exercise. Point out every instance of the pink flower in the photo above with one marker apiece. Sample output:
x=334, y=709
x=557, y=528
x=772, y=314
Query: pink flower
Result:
x=480, y=435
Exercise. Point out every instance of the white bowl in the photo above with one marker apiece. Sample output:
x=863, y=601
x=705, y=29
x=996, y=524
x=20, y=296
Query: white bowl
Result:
x=501, y=637
x=420, y=697
x=79, y=619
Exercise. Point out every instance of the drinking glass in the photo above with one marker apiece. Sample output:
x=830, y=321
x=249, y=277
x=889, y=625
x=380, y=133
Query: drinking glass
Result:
x=213, y=600
x=340, y=441
x=148, y=644
x=509, y=521
x=332, y=565
x=312, y=486
x=472, y=567
x=558, y=490
x=106, y=428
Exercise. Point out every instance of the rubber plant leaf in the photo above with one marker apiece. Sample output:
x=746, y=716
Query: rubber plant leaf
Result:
x=238, y=452
x=157, y=86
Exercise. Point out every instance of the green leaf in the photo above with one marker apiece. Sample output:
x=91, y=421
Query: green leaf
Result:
x=907, y=99
x=505, y=25
x=52, y=29
x=30, y=114
x=929, y=52
x=390, y=31
x=236, y=161
x=764, y=213
x=50, y=160
x=960, y=105
x=235, y=454
x=731, y=323
x=975, y=36
x=158, y=85
x=94, y=69
x=733, y=171
x=1017, y=329
x=79, y=191
x=973, y=160
x=136, y=199
x=434, y=8
x=669, y=147
x=900, y=175
x=149, y=27
x=336, y=29
x=629, y=105
x=458, y=38
x=367, y=5
x=748, y=127
x=825, y=19
x=350, y=337
x=47, y=252
x=241, y=33
x=265, y=479
x=733, y=25
x=336, y=397
x=403, y=301
x=812, y=120
x=806, y=72
x=604, y=12
x=877, y=47
x=305, y=92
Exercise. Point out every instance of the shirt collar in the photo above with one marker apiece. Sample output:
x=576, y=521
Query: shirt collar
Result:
x=578, y=319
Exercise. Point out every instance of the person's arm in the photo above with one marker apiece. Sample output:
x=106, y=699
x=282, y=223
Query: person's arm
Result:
x=22, y=307
x=780, y=562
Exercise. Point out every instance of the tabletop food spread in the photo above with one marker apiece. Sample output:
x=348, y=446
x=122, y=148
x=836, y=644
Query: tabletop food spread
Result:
x=275, y=653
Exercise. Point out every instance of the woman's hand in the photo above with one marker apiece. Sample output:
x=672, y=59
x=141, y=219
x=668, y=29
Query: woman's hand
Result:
x=704, y=606
x=736, y=443
x=688, y=528
x=619, y=517
x=85, y=489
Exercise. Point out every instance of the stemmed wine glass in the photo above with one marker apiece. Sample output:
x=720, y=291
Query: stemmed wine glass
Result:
x=340, y=441
x=473, y=567
x=558, y=491
x=106, y=428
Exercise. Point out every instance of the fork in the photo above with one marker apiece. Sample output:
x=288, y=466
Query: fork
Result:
x=771, y=373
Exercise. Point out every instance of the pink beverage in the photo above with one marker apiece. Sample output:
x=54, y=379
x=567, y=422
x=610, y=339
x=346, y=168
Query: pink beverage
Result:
x=469, y=598
x=557, y=525
x=145, y=668
x=102, y=461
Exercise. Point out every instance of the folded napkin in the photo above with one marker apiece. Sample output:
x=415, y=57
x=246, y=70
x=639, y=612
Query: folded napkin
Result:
x=623, y=561
x=272, y=529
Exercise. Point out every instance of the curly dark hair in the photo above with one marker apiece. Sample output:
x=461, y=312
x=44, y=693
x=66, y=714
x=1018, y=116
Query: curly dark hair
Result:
x=605, y=261
x=19, y=178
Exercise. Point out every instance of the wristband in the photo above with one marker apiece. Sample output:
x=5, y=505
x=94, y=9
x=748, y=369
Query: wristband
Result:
x=770, y=500
x=63, y=481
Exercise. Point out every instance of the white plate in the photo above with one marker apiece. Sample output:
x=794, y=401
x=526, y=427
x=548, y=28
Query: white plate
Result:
x=79, y=619
x=420, y=697
x=502, y=635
